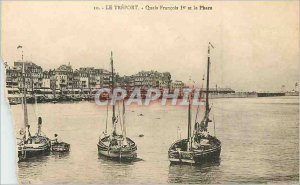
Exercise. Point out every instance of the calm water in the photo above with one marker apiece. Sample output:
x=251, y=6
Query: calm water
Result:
x=259, y=143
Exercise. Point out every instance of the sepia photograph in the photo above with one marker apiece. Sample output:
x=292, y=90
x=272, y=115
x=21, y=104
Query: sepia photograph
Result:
x=150, y=92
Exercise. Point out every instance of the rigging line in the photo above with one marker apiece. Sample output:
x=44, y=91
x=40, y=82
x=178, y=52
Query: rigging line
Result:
x=106, y=117
x=214, y=125
x=213, y=113
x=35, y=107
x=120, y=117
x=198, y=107
x=23, y=103
x=196, y=118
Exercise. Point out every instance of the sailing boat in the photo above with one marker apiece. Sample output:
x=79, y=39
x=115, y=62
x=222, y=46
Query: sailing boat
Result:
x=201, y=146
x=116, y=146
x=30, y=146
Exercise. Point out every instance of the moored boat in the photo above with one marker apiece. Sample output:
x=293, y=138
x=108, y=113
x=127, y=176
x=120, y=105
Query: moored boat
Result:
x=31, y=146
x=113, y=146
x=60, y=147
x=117, y=146
x=205, y=152
x=199, y=147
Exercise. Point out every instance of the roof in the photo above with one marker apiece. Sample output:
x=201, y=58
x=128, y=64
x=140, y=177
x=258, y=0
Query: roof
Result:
x=64, y=68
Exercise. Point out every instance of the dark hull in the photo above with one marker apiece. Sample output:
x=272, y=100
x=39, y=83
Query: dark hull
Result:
x=29, y=153
x=118, y=156
x=60, y=147
x=127, y=153
x=34, y=146
x=195, y=156
x=208, y=156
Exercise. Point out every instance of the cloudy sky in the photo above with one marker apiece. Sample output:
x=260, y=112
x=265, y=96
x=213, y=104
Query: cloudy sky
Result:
x=256, y=43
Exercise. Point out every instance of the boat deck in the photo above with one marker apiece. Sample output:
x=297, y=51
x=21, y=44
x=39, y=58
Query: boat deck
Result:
x=199, y=152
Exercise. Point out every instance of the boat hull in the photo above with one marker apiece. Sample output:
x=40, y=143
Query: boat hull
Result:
x=26, y=153
x=195, y=156
x=118, y=154
x=125, y=153
x=38, y=146
x=60, y=147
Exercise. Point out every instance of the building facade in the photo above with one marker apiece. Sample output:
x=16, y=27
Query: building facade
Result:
x=33, y=75
x=177, y=84
x=83, y=80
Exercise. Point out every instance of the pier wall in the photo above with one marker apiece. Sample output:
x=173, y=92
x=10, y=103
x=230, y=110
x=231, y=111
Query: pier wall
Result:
x=269, y=94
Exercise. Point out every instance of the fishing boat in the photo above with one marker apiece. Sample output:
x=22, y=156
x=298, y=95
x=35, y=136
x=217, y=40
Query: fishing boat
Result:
x=199, y=147
x=116, y=146
x=31, y=146
x=59, y=146
x=28, y=145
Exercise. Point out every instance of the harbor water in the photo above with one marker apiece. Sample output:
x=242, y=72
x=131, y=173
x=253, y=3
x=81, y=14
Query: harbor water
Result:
x=259, y=143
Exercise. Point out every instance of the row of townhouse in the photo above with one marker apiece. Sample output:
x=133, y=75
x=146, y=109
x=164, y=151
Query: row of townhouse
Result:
x=148, y=79
x=33, y=75
x=84, y=79
x=63, y=78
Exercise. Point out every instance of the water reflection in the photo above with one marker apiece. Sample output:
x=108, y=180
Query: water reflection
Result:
x=204, y=173
x=121, y=170
x=257, y=128
x=37, y=159
x=61, y=155
x=108, y=160
x=30, y=165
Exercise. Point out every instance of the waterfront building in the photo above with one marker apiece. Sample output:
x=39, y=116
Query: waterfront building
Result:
x=177, y=84
x=83, y=81
x=88, y=77
x=86, y=80
x=124, y=81
x=33, y=75
x=46, y=80
x=106, y=79
x=64, y=78
x=76, y=79
x=98, y=78
x=13, y=77
x=151, y=79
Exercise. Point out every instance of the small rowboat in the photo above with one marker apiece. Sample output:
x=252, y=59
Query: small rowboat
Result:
x=60, y=147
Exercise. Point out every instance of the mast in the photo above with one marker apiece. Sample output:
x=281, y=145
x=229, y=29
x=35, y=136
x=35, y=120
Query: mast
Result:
x=24, y=101
x=207, y=86
x=189, y=126
x=31, y=78
x=124, y=126
x=112, y=89
x=207, y=82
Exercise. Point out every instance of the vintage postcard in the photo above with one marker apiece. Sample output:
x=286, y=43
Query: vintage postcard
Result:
x=150, y=92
